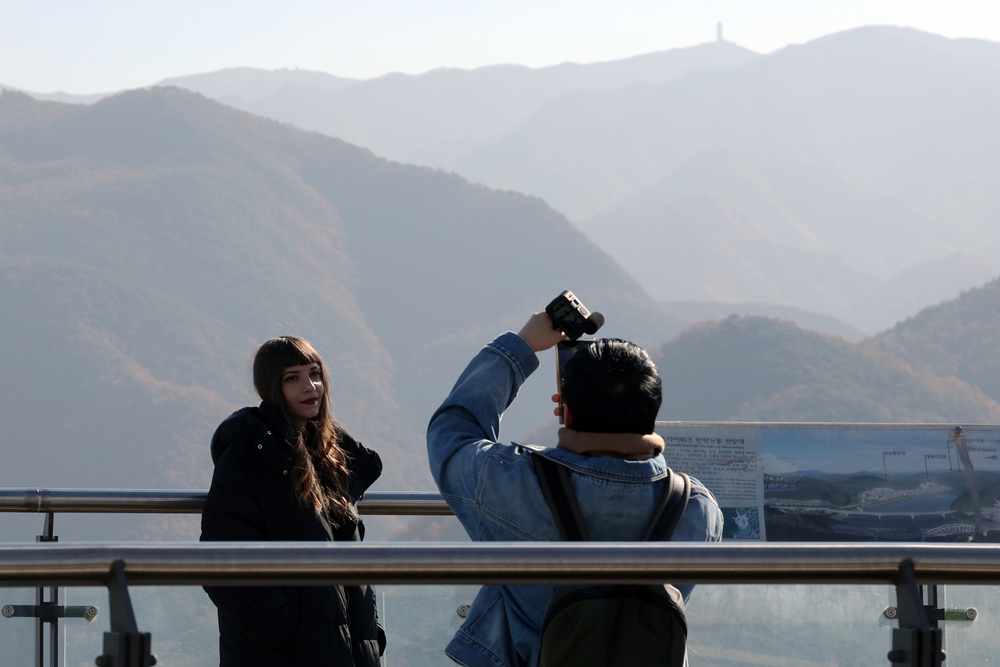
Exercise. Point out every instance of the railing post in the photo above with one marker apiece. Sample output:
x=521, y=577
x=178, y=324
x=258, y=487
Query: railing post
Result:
x=917, y=642
x=46, y=609
x=124, y=646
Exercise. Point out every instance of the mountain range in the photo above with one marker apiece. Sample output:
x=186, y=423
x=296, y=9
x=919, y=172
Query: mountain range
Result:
x=759, y=369
x=850, y=175
x=693, y=312
x=150, y=241
x=825, y=176
x=437, y=117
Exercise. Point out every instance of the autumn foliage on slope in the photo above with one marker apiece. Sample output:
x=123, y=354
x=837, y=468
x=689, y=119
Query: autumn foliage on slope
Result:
x=753, y=368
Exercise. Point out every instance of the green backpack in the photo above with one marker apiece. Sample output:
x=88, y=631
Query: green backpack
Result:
x=617, y=624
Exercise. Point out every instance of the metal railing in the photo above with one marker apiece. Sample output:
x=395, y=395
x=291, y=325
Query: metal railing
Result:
x=304, y=563
x=916, y=642
x=47, y=610
x=172, y=501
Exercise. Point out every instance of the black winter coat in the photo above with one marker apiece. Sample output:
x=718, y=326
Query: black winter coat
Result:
x=251, y=499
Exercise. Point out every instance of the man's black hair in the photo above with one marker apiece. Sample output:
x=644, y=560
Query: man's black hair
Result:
x=612, y=386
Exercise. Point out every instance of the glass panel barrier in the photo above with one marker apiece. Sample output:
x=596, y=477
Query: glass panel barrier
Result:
x=789, y=626
x=83, y=640
x=420, y=621
x=17, y=635
x=729, y=626
x=183, y=622
x=181, y=619
x=977, y=642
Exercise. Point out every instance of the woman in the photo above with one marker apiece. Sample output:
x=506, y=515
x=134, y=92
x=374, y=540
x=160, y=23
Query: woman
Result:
x=286, y=471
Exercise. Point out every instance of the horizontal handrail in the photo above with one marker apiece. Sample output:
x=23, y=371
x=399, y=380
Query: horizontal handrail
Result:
x=287, y=563
x=875, y=426
x=157, y=501
x=172, y=501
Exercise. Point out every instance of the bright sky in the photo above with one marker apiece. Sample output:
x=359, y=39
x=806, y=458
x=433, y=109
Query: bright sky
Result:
x=105, y=45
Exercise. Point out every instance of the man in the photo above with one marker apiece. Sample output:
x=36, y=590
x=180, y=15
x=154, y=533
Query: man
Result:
x=611, y=395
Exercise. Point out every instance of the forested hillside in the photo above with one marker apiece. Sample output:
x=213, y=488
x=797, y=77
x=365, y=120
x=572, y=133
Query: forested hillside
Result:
x=699, y=311
x=758, y=369
x=958, y=338
x=149, y=242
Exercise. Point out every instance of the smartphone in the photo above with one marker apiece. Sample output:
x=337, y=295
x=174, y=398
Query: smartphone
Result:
x=565, y=349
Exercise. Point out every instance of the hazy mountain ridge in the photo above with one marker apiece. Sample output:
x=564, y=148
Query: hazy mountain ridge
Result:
x=872, y=142
x=723, y=234
x=699, y=311
x=66, y=98
x=699, y=245
x=862, y=157
x=436, y=117
x=239, y=84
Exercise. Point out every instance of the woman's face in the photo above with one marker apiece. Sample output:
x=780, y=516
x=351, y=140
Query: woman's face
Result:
x=302, y=388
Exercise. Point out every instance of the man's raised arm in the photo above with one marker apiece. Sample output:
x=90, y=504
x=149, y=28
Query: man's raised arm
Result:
x=467, y=425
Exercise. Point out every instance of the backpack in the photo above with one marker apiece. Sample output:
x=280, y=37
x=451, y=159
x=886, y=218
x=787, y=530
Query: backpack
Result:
x=616, y=624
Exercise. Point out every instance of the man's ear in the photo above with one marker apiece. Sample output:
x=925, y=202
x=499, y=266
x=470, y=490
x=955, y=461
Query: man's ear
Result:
x=567, y=417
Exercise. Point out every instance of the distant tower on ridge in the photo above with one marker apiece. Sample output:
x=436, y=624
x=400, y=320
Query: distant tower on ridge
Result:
x=718, y=31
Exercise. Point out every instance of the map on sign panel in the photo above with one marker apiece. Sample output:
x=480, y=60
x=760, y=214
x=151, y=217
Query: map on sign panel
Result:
x=850, y=482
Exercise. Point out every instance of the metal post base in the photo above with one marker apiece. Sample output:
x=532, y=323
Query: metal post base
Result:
x=124, y=646
x=917, y=642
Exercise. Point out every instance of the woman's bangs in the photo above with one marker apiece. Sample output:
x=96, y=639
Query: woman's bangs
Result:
x=297, y=352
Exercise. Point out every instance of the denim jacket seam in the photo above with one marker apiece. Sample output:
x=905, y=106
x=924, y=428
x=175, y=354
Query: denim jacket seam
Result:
x=608, y=475
x=703, y=491
x=473, y=642
x=484, y=513
x=503, y=455
x=511, y=356
x=457, y=500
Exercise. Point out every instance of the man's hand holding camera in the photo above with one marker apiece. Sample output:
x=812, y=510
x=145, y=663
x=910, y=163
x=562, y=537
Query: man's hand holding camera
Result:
x=539, y=332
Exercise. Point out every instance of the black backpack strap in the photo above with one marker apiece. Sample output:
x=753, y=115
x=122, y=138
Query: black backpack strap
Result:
x=559, y=496
x=670, y=509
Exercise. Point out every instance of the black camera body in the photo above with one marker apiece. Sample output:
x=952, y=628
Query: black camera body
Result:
x=570, y=316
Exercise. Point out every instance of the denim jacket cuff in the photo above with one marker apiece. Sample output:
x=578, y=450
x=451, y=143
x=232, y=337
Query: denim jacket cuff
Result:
x=520, y=355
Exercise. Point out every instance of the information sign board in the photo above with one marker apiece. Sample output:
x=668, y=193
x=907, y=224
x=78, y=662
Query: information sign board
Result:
x=845, y=482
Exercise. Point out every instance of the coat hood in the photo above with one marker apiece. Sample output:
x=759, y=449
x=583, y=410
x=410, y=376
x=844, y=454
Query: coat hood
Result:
x=245, y=423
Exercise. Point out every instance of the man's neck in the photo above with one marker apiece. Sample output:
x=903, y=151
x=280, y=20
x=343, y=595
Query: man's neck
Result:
x=628, y=446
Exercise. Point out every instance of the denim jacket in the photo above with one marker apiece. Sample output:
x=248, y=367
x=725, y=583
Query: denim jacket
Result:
x=494, y=492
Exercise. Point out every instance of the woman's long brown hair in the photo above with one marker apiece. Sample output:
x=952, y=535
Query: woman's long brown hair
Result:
x=319, y=465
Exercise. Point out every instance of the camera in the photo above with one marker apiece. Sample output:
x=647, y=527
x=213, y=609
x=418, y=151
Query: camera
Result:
x=571, y=317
